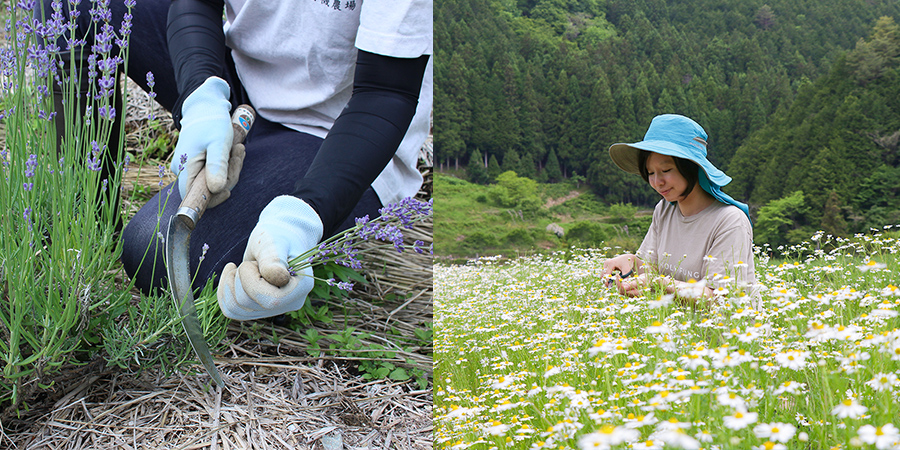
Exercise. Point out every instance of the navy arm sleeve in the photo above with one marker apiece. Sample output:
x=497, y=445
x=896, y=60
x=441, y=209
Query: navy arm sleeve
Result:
x=364, y=137
x=196, y=45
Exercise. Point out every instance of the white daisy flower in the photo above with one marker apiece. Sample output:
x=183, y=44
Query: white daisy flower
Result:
x=658, y=328
x=641, y=421
x=777, y=431
x=649, y=444
x=607, y=436
x=502, y=383
x=730, y=399
x=769, y=445
x=871, y=265
x=676, y=437
x=662, y=301
x=740, y=419
x=792, y=359
x=849, y=408
x=791, y=387
x=496, y=428
x=883, y=381
x=884, y=437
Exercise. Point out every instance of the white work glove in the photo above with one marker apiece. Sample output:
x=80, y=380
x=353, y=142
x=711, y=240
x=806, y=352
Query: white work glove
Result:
x=263, y=286
x=205, y=140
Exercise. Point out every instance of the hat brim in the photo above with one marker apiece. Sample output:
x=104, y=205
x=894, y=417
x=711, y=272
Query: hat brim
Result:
x=626, y=157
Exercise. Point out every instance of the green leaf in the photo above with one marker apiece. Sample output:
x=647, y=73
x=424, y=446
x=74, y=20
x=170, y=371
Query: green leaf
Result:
x=399, y=374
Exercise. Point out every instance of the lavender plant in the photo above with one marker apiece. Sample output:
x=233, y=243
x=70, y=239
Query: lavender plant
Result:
x=58, y=250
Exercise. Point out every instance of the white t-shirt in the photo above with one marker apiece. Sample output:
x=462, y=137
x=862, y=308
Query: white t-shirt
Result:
x=296, y=60
x=712, y=244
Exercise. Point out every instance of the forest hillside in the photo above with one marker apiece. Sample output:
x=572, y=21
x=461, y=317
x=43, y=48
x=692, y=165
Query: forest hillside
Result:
x=800, y=98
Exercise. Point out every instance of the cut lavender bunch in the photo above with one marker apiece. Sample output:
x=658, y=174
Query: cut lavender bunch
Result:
x=343, y=248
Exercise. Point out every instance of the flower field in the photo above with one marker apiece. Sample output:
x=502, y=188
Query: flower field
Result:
x=537, y=353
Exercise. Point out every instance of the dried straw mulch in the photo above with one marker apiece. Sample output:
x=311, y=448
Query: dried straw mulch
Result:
x=276, y=395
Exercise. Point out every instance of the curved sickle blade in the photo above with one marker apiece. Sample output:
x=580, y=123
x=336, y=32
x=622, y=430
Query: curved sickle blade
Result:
x=177, y=264
x=178, y=238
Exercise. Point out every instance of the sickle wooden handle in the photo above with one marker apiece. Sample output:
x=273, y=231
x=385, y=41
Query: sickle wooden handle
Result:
x=194, y=204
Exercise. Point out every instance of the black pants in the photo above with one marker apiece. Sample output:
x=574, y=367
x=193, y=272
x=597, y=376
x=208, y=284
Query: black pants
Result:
x=276, y=158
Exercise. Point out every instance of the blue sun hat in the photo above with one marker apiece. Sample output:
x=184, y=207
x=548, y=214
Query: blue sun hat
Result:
x=679, y=136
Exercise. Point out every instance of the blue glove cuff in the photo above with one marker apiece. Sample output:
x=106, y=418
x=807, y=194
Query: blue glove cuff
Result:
x=294, y=221
x=213, y=93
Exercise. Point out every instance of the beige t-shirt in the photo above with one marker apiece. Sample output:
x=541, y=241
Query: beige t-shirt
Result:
x=715, y=244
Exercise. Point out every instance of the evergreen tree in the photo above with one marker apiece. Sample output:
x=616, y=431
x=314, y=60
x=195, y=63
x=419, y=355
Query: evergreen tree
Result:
x=511, y=162
x=765, y=17
x=475, y=170
x=833, y=222
x=493, y=168
x=552, y=169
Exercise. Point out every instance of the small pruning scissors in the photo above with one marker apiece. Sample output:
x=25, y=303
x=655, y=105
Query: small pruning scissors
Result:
x=612, y=278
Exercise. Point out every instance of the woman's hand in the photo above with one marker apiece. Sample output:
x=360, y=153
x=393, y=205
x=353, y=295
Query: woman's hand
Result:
x=633, y=286
x=626, y=263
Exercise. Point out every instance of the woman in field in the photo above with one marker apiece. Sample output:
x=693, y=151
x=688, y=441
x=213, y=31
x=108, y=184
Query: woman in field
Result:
x=700, y=242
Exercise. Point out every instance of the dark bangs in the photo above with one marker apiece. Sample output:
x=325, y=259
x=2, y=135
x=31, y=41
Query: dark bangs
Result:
x=687, y=168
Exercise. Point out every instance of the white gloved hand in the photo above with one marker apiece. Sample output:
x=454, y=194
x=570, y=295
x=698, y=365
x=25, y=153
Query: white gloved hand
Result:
x=263, y=286
x=205, y=141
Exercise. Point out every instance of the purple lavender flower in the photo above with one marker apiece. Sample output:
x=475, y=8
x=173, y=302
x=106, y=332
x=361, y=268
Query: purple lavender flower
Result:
x=124, y=30
x=30, y=164
x=103, y=39
x=151, y=81
x=94, y=162
x=92, y=66
x=100, y=11
x=26, y=5
x=107, y=112
x=162, y=173
x=108, y=65
x=343, y=285
x=205, y=248
x=27, y=216
x=43, y=115
x=406, y=211
x=182, y=162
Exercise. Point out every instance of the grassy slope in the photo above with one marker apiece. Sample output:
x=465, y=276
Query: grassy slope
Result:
x=469, y=224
